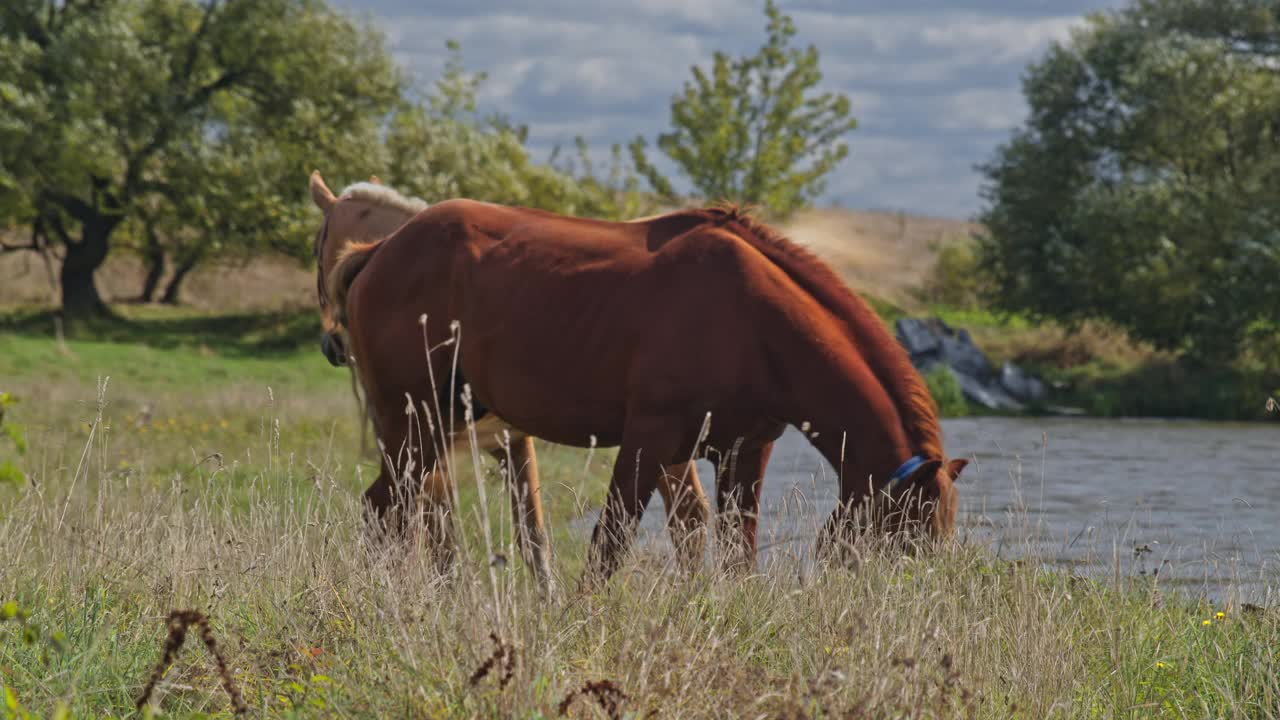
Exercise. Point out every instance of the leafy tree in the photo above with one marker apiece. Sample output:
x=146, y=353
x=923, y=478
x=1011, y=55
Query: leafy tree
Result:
x=192, y=118
x=752, y=129
x=1144, y=187
x=442, y=148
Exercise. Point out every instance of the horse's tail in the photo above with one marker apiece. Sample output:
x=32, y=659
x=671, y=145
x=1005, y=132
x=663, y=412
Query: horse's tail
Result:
x=350, y=262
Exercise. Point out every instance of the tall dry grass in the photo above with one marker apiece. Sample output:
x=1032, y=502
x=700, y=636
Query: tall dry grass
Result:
x=314, y=620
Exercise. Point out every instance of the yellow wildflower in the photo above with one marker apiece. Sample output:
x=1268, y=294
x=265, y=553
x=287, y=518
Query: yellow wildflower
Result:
x=1207, y=622
x=1221, y=615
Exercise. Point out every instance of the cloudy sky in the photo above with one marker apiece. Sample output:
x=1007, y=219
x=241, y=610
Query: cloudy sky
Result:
x=934, y=84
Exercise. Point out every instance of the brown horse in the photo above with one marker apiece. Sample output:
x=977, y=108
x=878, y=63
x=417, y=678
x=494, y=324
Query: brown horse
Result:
x=630, y=334
x=368, y=212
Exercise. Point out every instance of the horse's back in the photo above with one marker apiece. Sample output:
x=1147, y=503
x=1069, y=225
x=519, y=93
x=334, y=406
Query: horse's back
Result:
x=585, y=316
x=659, y=312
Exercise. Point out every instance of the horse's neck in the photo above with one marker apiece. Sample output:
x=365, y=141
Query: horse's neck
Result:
x=851, y=417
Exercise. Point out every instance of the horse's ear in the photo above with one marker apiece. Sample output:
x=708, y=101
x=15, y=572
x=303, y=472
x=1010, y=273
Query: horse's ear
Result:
x=375, y=179
x=955, y=466
x=320, y=193
x=927, y=469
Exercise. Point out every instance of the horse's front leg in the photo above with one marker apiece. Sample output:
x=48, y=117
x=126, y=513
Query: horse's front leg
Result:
x=651, y=445
x=740, y=476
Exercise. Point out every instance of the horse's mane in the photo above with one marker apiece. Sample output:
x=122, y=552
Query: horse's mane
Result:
x=385, y=196
x=884, y=355
x=355, y=255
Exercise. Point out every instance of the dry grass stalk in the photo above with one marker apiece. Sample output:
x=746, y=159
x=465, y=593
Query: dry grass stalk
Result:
x=502, y=657
x=178, y=623
x=606, y=693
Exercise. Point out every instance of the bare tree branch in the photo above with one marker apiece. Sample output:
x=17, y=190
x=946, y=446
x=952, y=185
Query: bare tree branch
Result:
x=6, y=247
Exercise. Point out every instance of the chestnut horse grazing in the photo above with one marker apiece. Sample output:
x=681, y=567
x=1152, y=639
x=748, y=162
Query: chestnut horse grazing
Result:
x=366, y=213
x=630, y=334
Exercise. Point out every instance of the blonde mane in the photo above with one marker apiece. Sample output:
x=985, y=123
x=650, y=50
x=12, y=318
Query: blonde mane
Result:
x=384, y=196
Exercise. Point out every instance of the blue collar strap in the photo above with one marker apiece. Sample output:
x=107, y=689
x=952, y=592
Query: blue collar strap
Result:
x=904, y=471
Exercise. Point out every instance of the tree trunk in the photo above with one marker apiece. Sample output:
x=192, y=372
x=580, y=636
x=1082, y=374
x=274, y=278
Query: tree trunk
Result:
x=172, y=290
x=155, y=268
x=80, y=298
x=154, y=253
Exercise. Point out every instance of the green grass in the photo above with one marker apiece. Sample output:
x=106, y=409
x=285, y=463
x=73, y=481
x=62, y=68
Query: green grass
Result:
x=172, y=349
x=129, y=514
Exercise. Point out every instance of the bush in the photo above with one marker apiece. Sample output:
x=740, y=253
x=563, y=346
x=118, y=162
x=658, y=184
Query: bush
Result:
x=1174, y=389
x=9, y=472
x=956, y=280
x=946, y=392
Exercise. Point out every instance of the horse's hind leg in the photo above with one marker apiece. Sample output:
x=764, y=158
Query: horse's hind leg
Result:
x=687, y=511
x=526, y=506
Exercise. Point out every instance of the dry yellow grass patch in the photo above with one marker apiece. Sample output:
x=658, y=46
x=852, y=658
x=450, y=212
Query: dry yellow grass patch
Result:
x=884, y=254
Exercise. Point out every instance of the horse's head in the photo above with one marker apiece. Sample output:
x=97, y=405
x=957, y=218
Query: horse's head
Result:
x=365, y=212
x=925, y=498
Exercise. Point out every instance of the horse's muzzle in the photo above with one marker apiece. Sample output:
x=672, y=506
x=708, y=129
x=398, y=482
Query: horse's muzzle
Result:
x=333, y=350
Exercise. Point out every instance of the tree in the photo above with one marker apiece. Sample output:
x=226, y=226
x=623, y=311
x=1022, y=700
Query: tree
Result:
x=443, y=148
x=195, y=117
x=752, y=130
x=1144, y=187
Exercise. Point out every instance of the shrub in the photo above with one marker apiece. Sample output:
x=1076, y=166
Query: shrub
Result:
x=9, y=472
x=946, y=392
x=955, y=281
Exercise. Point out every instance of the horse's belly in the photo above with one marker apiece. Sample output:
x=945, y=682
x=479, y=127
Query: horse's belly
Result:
x=557, y=418
x=547, y=397
x=563, y=355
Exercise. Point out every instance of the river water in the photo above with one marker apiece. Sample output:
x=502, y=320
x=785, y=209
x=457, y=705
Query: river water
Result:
x=1197, y=503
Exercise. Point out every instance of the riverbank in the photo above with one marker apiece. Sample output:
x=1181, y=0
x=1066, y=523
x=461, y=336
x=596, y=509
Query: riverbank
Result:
x=1098, y=372
x=186, y=490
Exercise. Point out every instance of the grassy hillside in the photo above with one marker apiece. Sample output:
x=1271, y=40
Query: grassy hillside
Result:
x=885, y=255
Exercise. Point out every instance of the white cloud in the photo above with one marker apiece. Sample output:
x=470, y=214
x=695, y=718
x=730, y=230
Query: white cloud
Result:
x=997, y=39
x=928, y=48
x=981, y=109
x=868, y=106
x=934, y=87
x=875, y=159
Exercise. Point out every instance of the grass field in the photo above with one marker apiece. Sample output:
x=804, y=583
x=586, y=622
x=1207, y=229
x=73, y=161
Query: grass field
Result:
x=219, y=469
